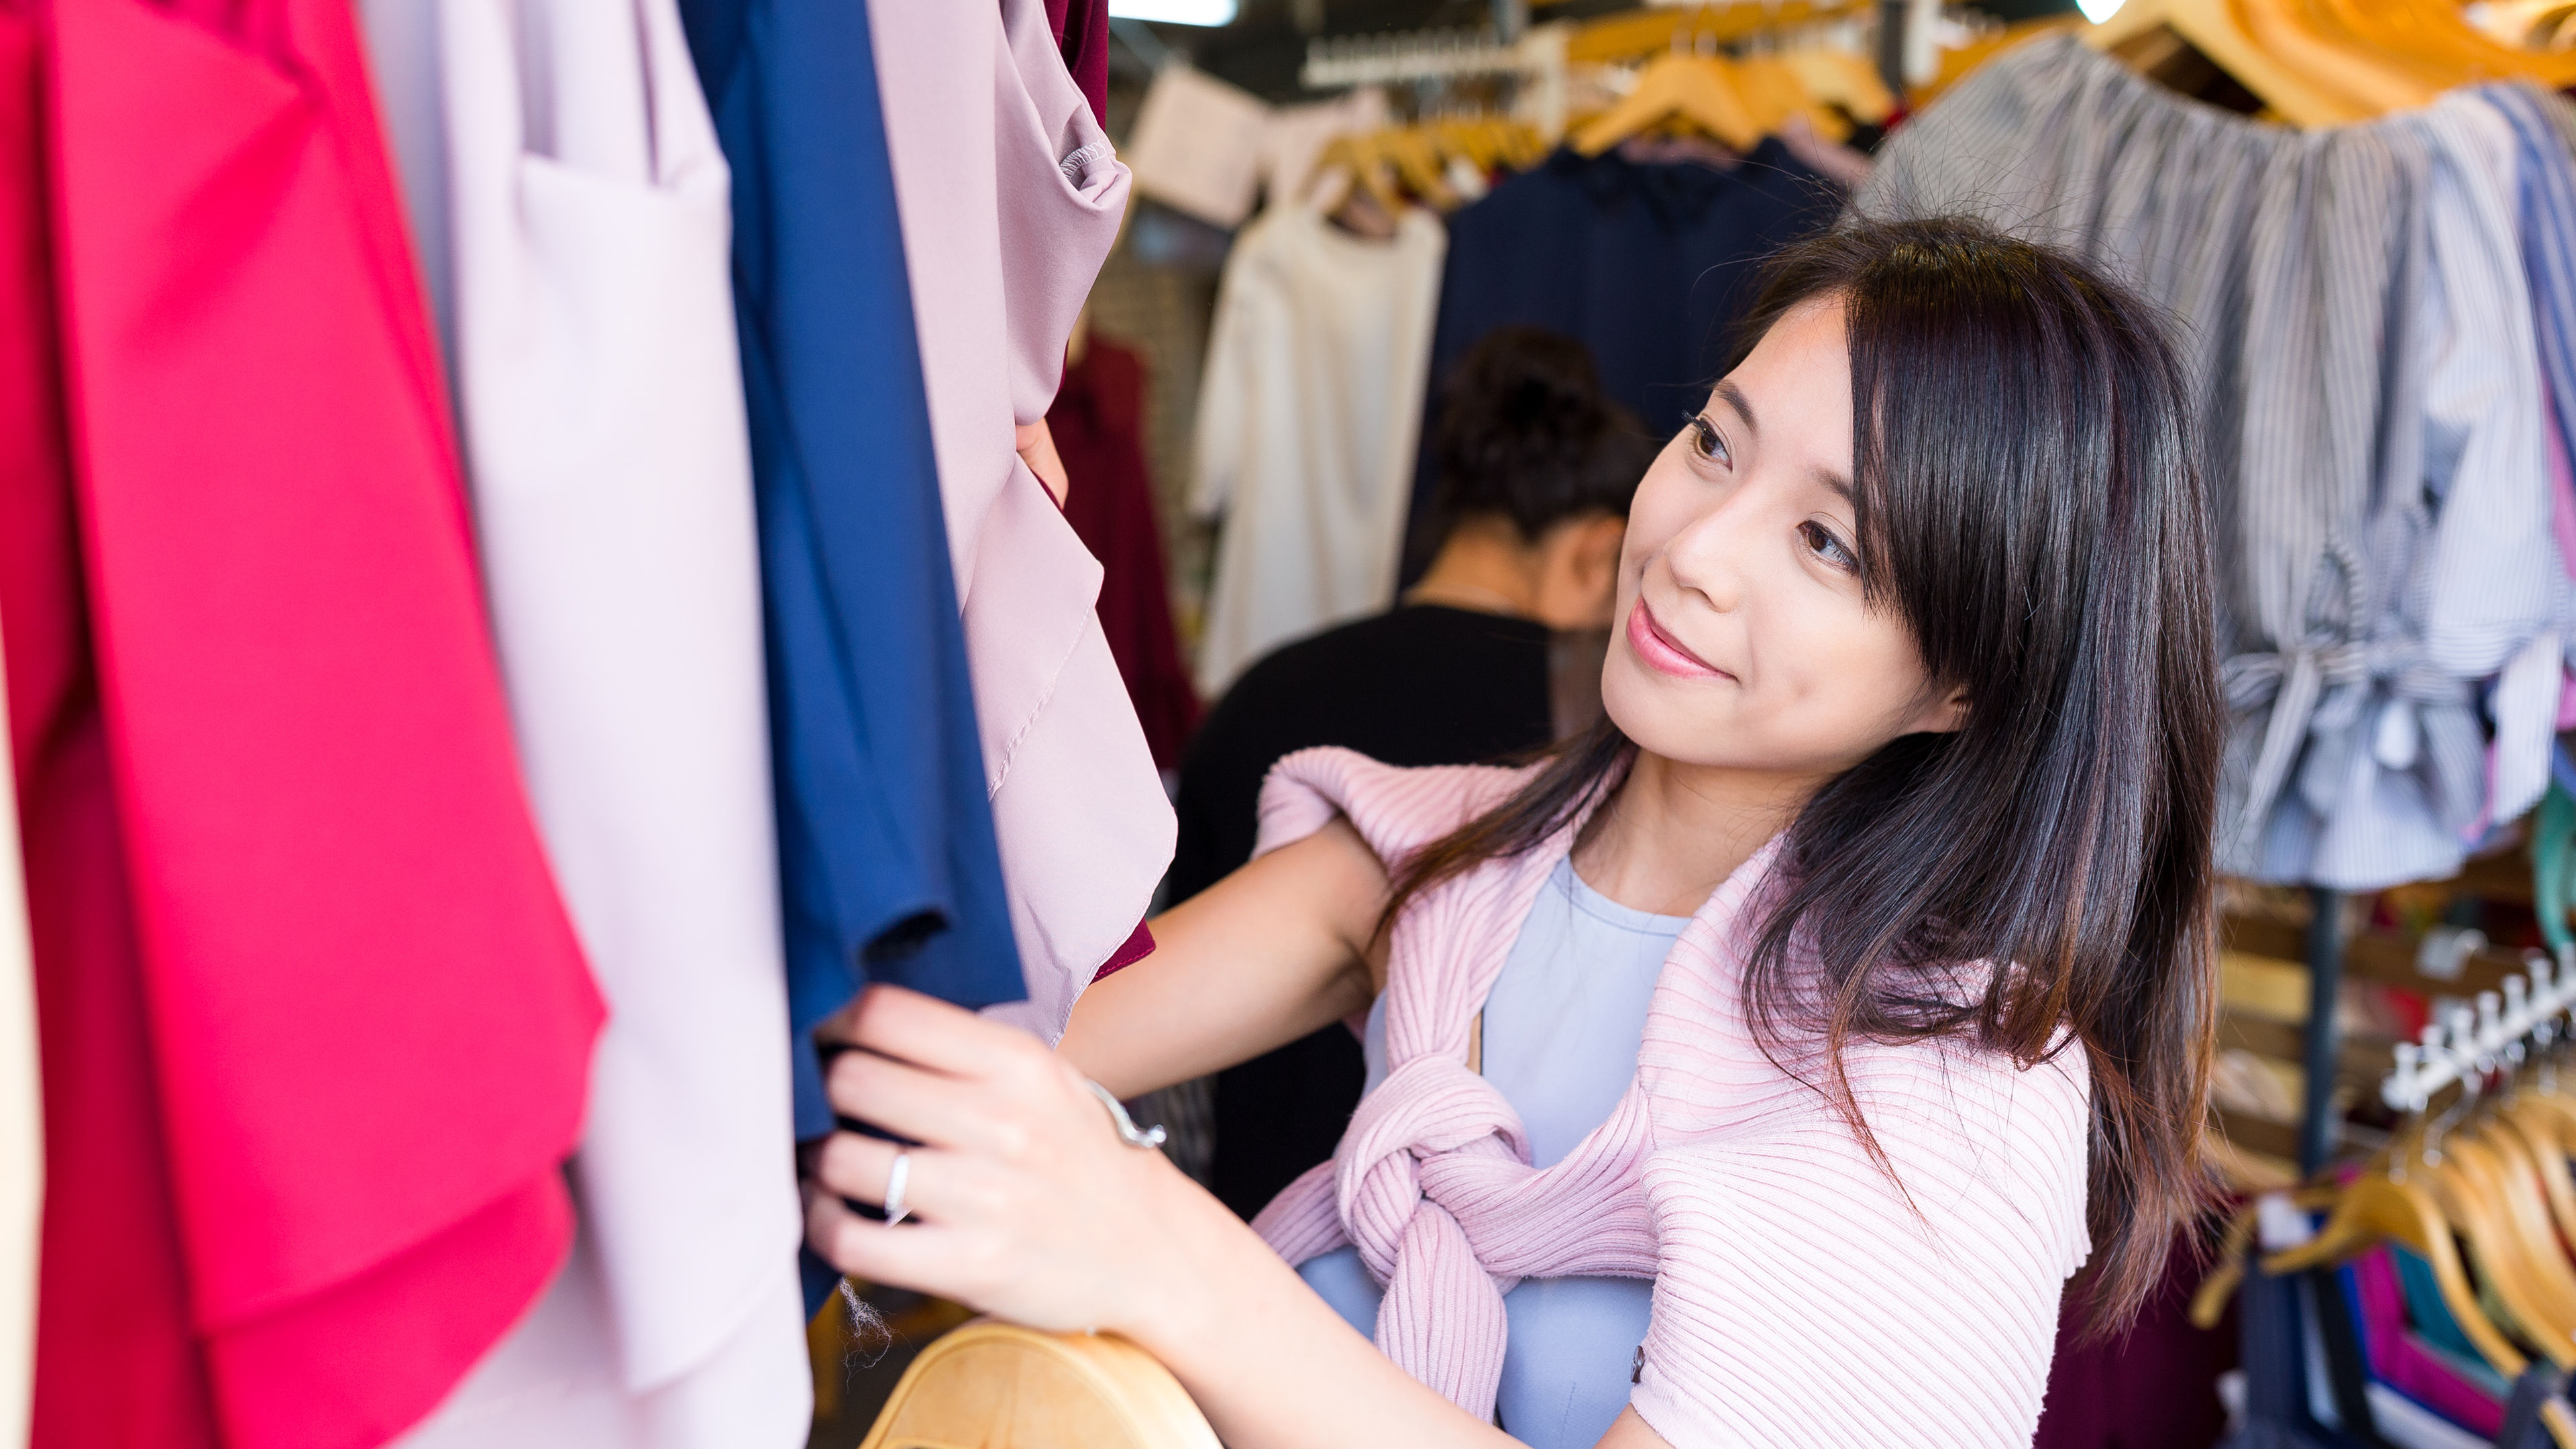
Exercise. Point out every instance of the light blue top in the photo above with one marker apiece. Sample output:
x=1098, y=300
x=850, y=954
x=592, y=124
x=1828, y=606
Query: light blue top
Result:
x=1562, y=1027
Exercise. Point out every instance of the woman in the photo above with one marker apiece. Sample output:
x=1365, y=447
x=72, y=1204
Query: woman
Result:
x=1913, y=710
x=1476, y=662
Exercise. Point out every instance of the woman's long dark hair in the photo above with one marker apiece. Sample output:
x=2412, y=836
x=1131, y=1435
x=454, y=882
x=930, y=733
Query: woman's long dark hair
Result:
x=2032, y=511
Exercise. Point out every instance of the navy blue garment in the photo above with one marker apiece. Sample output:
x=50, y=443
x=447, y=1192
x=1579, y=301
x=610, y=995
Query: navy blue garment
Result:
x=1648, y=264
x=885, y=834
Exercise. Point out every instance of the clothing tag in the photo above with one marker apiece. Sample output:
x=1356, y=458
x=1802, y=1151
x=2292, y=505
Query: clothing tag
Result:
x=2280, y=1224
x=1196, y=145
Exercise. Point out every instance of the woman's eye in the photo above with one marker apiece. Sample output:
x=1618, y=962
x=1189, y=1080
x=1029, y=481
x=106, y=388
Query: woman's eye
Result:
x=1708, y=442
x=1828, y=547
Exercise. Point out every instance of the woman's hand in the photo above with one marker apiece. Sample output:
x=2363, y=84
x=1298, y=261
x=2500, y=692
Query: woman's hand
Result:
x=1024, y=1201
x=1030, y=1208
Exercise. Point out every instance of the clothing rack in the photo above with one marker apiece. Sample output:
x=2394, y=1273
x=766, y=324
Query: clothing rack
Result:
x=2468, y=1042
x=1537, y=58
x=1419, y=55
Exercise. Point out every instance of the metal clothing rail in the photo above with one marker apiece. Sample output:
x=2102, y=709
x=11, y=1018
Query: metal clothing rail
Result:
x=1416, y=55
x=2472, y=1042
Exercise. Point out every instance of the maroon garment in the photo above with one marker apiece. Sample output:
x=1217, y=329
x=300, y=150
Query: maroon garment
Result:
x=1082, y=34
x=1098, y=425
x=2152, y=1387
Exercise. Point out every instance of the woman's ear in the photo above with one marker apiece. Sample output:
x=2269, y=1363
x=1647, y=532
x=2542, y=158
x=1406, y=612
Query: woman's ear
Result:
x=1946, y=715
x=1579, y=572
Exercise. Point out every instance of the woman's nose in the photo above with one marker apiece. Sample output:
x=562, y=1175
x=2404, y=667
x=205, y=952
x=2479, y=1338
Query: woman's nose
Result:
x=1705, y=557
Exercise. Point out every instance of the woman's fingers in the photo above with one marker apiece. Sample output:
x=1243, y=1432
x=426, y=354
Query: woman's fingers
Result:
x=928, y=1032
x=922, y=1257
x=923, y=1106
x=938, y=1186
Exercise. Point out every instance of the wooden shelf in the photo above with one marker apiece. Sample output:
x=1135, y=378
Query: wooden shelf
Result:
x=2386, y=957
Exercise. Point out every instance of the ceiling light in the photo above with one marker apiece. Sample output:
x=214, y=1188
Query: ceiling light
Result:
x=1175, y=12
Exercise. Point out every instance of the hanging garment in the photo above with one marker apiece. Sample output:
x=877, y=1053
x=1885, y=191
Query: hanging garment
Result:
x=1422, y=684
x=2349, y=298
x=1306, y=426
x=1009, y=198
x=886, y=854
x=115, y=1361
x=1081, y=30
x=22, y=1126
x=339, y=893
x=2404, y=1362
x=1775, y=1241
x=1647, y=263
x=1098, y=423
x=2155, y=1381
x=584, y=207
x=2547, y=217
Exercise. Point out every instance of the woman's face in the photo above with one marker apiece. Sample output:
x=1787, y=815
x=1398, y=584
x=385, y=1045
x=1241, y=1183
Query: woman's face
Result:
x=1741, y=638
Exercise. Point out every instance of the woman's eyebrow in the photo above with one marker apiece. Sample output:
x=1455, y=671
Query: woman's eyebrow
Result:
x=1735, y=399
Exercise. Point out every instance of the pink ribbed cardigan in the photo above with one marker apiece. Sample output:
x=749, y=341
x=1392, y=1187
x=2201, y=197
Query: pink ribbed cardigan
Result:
x=1799, y=1297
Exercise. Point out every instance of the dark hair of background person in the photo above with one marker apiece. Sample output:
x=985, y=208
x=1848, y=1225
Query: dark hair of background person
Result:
x=1536, y=442
x=1526, y=434
x=2031, y=507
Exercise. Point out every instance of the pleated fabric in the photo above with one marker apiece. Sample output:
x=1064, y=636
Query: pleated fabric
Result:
x=1010, y=198
x=2354, y=311
x=1790, y=1270
x=887, y=859
x=583, y=213
x=362, y=1011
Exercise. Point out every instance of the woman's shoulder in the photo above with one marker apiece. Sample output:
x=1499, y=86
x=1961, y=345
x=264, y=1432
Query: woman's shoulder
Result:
x=1397, y=809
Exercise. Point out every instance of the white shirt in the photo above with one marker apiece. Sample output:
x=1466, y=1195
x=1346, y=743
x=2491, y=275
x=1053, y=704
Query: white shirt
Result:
x=1309, y=413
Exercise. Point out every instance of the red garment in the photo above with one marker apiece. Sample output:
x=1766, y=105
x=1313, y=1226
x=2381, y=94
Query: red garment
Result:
x=2153, y=1385
x=1098, y=422
x=1082, y=35
x=370, y=1020
x=116, y=1366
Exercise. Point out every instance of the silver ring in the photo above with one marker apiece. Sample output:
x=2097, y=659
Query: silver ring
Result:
x=898, y=1177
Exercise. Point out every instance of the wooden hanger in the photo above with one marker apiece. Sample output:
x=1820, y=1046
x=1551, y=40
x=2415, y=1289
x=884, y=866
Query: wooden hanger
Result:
x=2507, y=1227
x=1840, y=78
x=2375, y=1208
x=1418, y=162
x=2438, y=39
x=2213, y=28
x=1696, y=90
x=2548, y=1128
x=1358, y=158
x=1776, y=91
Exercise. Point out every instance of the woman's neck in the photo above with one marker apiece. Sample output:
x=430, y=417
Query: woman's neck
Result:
x=1672, y=833
x=1485, y=566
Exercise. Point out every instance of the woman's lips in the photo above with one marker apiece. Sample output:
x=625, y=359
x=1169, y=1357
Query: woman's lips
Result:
x=1662, y=652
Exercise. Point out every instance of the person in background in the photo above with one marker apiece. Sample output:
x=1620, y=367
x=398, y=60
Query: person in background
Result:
x=1536, y=469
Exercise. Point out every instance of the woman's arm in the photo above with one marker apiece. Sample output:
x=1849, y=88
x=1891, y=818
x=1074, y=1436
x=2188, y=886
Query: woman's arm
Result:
x=1261, y=958
x=1031, y=1209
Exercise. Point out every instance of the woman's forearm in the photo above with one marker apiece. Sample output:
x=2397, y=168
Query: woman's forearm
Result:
x=1263, y=957
x=1270, y=1363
